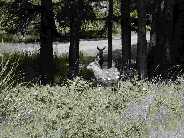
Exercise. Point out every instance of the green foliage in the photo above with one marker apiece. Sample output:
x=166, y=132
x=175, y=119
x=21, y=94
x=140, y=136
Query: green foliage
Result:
x=169, y=103
x=7, y=74
x=86, y=74
x=14, y=17
x=134, y=14
x=78, y=110
x=28, y=66
x=71, y=110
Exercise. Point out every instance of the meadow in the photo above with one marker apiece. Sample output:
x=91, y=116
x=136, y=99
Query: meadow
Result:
x=80, y=108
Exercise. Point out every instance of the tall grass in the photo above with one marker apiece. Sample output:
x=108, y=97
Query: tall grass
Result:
x=7, y=73
x=78, y=109
x=26, y=66
x=135, y=109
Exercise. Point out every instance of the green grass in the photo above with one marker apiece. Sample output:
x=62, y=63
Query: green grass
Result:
x=7, y=74
x=28, y=66
x=79, y=109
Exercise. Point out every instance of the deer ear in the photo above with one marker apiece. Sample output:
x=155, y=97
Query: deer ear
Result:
x=98, y=48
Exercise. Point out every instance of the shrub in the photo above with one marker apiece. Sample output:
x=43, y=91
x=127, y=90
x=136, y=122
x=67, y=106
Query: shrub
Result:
x=78, y=110
x=86, y=74
x=28, y=66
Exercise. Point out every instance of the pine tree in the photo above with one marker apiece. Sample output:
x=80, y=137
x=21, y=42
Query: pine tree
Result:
x=125, y=32
x=46, y=40
x=75, y=25
x=142, y=44
x=110, y=23
x=21, y=14
x=159, y=56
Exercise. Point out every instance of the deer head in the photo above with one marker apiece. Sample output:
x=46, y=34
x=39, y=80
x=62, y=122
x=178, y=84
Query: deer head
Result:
x=100, y=56
x=100, y=51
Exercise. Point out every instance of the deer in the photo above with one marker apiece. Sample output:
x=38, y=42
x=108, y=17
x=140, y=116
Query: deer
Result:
x=104, y=76
x=100, y=56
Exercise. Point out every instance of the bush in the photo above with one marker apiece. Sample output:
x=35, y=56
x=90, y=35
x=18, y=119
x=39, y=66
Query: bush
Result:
x=78, y=110
x=28, y=66
x=86, y=74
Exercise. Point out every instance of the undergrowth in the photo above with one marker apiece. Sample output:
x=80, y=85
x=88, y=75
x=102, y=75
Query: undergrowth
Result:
x=26, y=67
x=77, y=109
x=7, y=73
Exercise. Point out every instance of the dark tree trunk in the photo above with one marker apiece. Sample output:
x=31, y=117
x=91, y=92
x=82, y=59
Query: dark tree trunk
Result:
x=75, y=25
x=110, y=23
x=46, y=40
x=142, y=44
x=153, y=23
x=177, y=48
x=153, y=57
x=159, y=57
x=125, y=32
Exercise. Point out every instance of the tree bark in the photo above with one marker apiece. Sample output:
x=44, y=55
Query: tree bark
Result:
x=177, y=48
x=46, y=41
x=75, y=25
x=142, y=44
x=125, y=32
x=154, y=9
x=159, y=57
x=110, y=23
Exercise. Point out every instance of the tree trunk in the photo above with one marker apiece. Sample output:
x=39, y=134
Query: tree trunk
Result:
x=46, y=40
x=159, y=57
x=125, y=32
x=110, y=23
x=142, y=44
x=75, y=25
x=177, y=48
x=153, y=24
x=153, y=56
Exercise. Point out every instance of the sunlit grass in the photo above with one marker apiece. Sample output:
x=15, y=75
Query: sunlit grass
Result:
x=26, y=66
x=7, y=73
x=77, y=109
x=80, y=109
